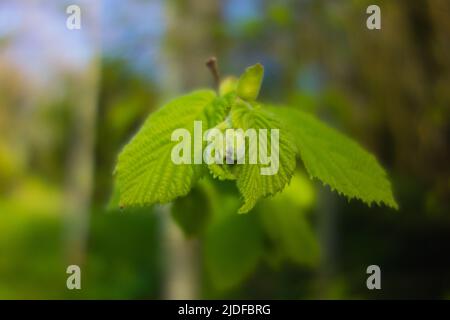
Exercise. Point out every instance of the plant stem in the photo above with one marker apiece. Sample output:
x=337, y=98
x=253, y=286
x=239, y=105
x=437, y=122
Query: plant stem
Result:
x=212, y=65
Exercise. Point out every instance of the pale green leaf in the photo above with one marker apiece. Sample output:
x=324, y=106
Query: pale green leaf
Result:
x=228, y=85
x=285, y=220
x=337, y=160
x=233, y=245
x=145, y=173
x=250, y=82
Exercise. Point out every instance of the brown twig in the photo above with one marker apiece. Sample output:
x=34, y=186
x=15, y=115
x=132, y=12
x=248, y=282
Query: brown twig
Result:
x=212, y=65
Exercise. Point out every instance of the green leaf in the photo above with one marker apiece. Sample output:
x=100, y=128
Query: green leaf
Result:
x=145, y=173
x=233, y=245
x=337, y=160
x=228, y=85
x=221, y=171
x=284, y=219
x=250, y=182
x=192, y=212
x=250, y=82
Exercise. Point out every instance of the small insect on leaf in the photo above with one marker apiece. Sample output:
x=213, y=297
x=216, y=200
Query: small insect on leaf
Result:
x=250, y=82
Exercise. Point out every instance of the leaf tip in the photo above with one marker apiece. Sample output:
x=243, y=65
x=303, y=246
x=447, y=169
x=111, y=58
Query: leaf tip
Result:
x=249, y=83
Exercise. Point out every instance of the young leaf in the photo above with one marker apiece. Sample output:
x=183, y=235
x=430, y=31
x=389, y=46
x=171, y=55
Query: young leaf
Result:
x=337, y=160
x=250, y=182
x=228, y=85
x=250, y=82
x=145, y=173
x=221, y=172
x=233, y=245
x=284, y=219
x=192, y=212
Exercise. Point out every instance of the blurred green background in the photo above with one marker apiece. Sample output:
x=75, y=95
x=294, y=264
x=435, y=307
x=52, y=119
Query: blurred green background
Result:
x=70, y=99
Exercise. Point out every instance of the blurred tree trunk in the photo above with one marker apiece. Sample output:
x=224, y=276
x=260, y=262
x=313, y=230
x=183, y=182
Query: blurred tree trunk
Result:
x=80, y=162
x=190, y=41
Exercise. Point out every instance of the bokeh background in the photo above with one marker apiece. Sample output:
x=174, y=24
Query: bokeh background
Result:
x=70, y=99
